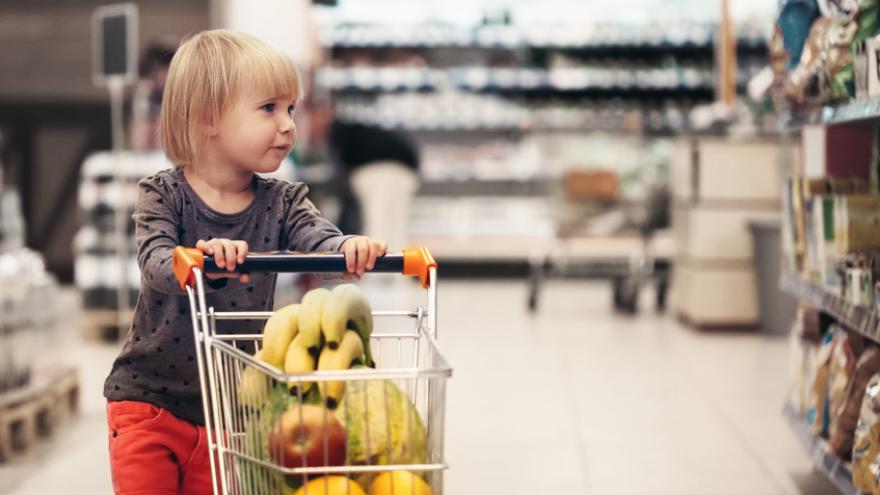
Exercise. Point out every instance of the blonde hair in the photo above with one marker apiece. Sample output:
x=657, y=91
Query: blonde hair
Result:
x=206, y=75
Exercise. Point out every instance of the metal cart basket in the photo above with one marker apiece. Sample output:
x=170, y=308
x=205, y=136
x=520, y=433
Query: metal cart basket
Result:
x=392, y=415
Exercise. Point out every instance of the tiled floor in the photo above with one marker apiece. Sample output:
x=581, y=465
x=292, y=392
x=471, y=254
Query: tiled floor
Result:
x=573, y=400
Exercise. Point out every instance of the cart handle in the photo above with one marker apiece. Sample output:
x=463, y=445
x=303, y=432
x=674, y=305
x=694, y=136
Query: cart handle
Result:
x=411, y=261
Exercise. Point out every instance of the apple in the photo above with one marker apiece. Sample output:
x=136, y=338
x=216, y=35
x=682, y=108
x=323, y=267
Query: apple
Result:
x=300, y=436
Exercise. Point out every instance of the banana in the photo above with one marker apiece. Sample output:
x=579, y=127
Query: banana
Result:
x=310, y=319
x=347, y=309
x=280, y=330
x=350, y=350
x=299, y=360
x=253, y=389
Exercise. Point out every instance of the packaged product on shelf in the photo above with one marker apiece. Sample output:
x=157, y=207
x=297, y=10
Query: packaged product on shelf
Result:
x=856, y=222
x=859, y=287
x=814, y=323
x=840, y=371
x=827, y=186
x=847, y=416
x=817, y=412
x=807, y=83
x=866, y=448
x=863, y=266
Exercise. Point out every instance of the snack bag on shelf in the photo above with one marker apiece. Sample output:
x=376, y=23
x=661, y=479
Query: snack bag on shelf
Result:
x=818, y=412
x=865, y=462
x=807, y=84
x=840, y=371
x=847, y=416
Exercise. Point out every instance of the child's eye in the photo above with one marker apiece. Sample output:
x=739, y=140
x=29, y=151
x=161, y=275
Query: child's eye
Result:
x=269, y=107
x=290, y=109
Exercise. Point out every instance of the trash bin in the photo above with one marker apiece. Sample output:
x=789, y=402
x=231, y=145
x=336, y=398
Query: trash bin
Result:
x=775, y=308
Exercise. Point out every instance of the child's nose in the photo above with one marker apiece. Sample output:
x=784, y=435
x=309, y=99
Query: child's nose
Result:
x=286, y=124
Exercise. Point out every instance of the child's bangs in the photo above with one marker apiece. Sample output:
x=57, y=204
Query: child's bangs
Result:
x=270, y=73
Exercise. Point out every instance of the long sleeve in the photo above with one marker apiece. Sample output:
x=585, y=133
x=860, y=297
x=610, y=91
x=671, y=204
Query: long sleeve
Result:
x=305, y=229
x=157, y=233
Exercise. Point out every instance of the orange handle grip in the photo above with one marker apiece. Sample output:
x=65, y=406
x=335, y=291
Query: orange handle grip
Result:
x=418, y=262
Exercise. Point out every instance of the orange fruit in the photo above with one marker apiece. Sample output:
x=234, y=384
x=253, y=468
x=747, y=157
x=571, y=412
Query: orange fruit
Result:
x=331, y=485
x=399, y=483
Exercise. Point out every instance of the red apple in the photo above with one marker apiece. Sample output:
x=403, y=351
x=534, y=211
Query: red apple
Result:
x=301, y=434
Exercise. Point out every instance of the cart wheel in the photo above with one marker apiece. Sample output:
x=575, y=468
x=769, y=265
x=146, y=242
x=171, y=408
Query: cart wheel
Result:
x=626, y=295
x=662, y=290
x=533, y=298
x=536, y=278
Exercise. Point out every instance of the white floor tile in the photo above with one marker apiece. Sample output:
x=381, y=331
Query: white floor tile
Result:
x=570, y=400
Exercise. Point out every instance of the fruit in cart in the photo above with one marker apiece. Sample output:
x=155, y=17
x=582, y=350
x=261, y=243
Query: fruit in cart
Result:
x=331, y=485
x=347, y=308
x=382, y=424
x=303, y=432
x=253, y=389
x=256, y=434
x=281, y=328
x=310, y=318
x=399, y=482
x=299, y=360
x=348, y=354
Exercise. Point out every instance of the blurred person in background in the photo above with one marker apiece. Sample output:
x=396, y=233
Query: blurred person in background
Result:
x=147, y=98
x=377, y=170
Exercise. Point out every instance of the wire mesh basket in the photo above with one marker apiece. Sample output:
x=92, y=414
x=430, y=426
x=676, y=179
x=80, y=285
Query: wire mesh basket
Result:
x=275, y=432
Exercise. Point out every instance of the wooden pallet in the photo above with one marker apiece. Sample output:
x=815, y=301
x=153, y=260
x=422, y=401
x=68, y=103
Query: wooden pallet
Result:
x=36, y=410
x=103, y=324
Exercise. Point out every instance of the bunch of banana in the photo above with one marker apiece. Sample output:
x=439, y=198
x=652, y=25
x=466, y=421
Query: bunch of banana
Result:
x=341, y=321
x=280, y=330
x=328, y=330
x=347, y=309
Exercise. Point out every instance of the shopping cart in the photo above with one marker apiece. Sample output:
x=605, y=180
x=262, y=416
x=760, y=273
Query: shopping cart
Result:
x=396, y=408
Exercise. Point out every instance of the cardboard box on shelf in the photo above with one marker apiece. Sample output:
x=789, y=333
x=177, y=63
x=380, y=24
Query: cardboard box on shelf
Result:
x=719, y=296
x=840, y=152
x=591, y=185
x=731, y=170
x=726, y=170
x=682, y=162
x=719, y=234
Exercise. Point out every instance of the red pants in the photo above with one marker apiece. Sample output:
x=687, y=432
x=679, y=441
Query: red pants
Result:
x=154, y=453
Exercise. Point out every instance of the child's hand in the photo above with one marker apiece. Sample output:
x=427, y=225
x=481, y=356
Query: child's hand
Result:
x=360, y=255
x=227, y=254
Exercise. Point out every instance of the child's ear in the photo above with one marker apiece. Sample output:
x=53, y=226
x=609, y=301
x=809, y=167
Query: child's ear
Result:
x=208, y=127
x=208, y=130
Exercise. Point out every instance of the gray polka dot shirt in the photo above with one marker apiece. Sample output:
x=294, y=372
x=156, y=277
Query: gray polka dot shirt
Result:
x=158, y=363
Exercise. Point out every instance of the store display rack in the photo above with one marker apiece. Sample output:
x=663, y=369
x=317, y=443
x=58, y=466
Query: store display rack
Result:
x=862, y=319
x=478, y=79
x=831, y=466
x=855, y=111
x=692, y=37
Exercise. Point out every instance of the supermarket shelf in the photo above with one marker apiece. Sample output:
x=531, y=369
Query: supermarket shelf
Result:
x=848, y=113
x=699, y=38
x=565, y=81
x=864, y=320
x=836, y=470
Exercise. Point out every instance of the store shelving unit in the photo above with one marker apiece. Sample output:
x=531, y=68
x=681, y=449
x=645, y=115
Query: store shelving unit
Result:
x=848, y=113
x=862, y=319
x=817, y=450
x=446, y=84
